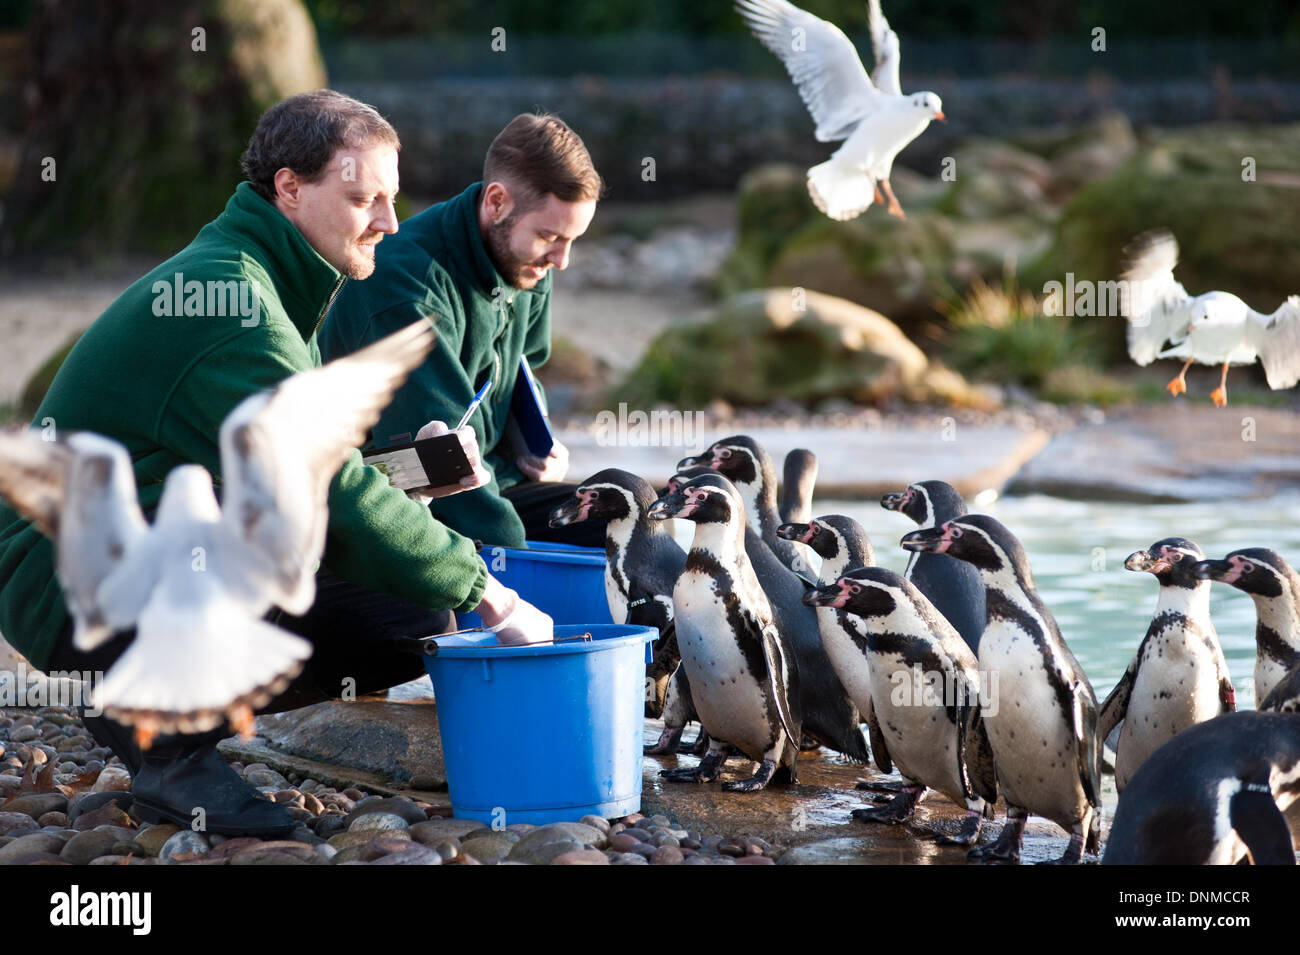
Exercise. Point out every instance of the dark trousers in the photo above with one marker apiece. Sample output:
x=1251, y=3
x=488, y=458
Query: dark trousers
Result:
x=534, y=501
x=352, y=630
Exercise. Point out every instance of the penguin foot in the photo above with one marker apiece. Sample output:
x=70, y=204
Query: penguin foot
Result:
x=900, y=808
x=1006, y=849
x=753, y=783
x=968, y=835
x=701, y=745
x=668, y=741
x=1073, y=852
x=707, y=771
x=809, y=745
x=870, y=787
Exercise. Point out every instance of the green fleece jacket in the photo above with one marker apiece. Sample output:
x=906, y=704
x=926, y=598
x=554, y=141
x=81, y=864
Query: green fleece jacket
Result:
x=436, y=265
x=165, y=364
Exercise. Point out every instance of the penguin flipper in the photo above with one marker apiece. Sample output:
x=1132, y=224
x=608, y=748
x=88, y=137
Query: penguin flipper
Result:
x=975, y=765
x=879, y=751
x=1116, y=704
x=778, y=681
x=1084, y=712
x=1260, y=824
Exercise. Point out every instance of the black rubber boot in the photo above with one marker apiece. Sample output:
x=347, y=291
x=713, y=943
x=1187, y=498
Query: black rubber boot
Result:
x=116, y=737
x=181, y=775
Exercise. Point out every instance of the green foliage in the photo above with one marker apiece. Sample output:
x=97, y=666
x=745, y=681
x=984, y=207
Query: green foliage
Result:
x=1000, y=334
x=1081, y=384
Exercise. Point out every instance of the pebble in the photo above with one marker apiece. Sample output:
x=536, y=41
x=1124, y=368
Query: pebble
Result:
x=327, y=851
x=266, y=777
x=640, y=835
x=427, y=782
x=118, y=860
x=381, y=846
x=13, y=823
x=312, y=804
x=663, y=839
x=38, y=804
x=110, y=814
x=34, y=842
x=596, y=822
x=623, y=842
x=56, y=818
x=153, y=838
x=24, y=734
x=645, y=850
x=667, y=855
x=330, y=823
x=184, y=842
x=414, y=855
x=689, y=843
x=487, y=848
x=629, y=858
x=279, y=852
x=448, y=849
x=85, y=846
x=377, y=821
x=398, y=806
x=85, y=802
x=435, y=830
x=755, y=860
x=581, y=857
x=344, y=840
x=731, y=849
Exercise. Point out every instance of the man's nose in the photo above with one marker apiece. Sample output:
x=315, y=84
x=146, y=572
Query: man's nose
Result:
x=559, y=256
x=386, y=219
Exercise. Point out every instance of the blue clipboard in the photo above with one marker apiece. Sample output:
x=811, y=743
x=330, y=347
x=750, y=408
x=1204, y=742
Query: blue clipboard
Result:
x=528, y=421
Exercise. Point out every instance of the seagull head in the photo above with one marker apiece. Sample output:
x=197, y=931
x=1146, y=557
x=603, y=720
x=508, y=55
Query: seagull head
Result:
x=930, y=103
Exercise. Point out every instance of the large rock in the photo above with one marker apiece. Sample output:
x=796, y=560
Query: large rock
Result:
x=394, y=740
x=794, y=344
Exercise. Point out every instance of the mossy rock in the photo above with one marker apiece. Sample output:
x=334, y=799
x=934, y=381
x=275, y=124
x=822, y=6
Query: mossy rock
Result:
x=36, y=387
x=792, y=344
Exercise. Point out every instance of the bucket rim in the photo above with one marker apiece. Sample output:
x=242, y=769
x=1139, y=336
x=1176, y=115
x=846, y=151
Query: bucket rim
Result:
x=605, y=636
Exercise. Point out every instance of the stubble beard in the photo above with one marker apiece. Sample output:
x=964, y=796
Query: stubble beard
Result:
x=507, y=263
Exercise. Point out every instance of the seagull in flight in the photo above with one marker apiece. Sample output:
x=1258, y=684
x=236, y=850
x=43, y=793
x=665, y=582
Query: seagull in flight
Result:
x=197, y=584
x=869, y=112
x=1210, y=329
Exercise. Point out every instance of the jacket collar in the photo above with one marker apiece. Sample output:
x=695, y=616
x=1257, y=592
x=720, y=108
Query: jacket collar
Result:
x=303, y=280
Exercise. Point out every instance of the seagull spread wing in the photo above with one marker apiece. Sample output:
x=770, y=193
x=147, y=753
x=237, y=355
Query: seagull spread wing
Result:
x=279, y=452
x=81, y=493
x=884, y=42
x=1156, y=305
x=1276, y=338
x=820, y=59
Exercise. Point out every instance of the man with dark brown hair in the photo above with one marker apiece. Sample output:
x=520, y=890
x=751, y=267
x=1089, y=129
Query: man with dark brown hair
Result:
x=481, y=264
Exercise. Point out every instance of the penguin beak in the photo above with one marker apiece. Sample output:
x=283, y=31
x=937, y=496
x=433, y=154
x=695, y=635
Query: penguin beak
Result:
x=1221, y=570
x=931, y=540
x=567, y=513
x=694, y=461
x=1143, y=561
x=892, y=502
x=666, y=507
x=833, y=596
x=795, y=532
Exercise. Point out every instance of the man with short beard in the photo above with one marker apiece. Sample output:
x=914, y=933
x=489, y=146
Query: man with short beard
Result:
x=481, y=264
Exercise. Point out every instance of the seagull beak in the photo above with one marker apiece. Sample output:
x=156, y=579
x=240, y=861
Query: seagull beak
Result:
x=940, y=117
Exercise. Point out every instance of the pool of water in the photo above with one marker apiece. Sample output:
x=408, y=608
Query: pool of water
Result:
x=1077, y=551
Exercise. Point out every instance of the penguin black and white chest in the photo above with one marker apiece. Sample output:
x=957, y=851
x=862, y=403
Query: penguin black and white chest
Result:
x=954, y=587
x=828, y=713
x=1179, y=677
x=842, y=545
x=1213, y=795
x=925, y=696
x=642, y=564
x=748, y=466
x=1041, y=714
x=743, y=681
x=1275, y=588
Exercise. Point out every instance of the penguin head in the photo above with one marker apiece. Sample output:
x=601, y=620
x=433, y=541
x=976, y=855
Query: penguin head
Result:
x=1173, y=561
x=863, y=592
x=705, y=499
x=609, y=495
x=683, y=475
x=977, y=539
x=1256, y=570
x=738, y=458
x=832, y=537
x=926, y=502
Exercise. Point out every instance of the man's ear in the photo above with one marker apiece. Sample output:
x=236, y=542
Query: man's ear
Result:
x=497, y=201
x=287, y=187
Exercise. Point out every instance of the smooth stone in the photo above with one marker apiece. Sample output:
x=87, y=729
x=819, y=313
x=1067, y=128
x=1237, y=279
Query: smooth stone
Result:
x=398, y=806
x=584, y=835
x=24, y=734
x=755, y=860
x=632, y=818
x=581, y=857
x=312, y=804
x=39, y=858
x=15, y=822
x=543, y=851
x=645, y=850
x=286, y=796
x=118, y=860
x=448, y=849
x=689, y=843
x=663, y=839
x=304, y=835
x=330, y=824
x=623, y=842
x=184, y=842
x=487, y=848
x=695, y=860
x=414, y=855
x=731, y=849
x=377, y=821
x=85, y=802
x=640, y=835
x=629, y=858
x=381, y=846
x=56, y=818
x=126, y=847
x=523, y=828
x=326, y=851
x=359, y=837
x=153, y=837
x=299, y=814
x=596, y=822
x=667, y=855
x=266, y=777
x=38, y=804
x=278, y=852
x=659, y=819
x=10, y=785
x=85, y=846
x=35, y=842
x=110, y=814
x=435, y=830
x=348, y=854
x=429, y=782
x=228, y=848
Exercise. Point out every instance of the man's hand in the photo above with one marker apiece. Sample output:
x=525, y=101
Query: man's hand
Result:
x=469, y=442
x=515, y=622
x=553, y=467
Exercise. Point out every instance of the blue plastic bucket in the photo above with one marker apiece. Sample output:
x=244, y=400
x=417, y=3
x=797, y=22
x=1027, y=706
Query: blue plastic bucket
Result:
x=562, y=580
x=546, y=733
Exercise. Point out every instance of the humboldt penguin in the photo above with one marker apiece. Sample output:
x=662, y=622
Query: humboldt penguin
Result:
x=744, y=683
x=1215, y=794
x=829, y=716
x=1178, y=677
x=798, y=480
x=744, y=462
x=954, y=587
x=924, y=707
x=1275, y=588
x=642, y=563
x=1043, y=730
x=1285, y=695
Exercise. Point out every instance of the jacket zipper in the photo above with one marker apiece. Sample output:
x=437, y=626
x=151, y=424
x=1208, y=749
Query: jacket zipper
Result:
x=320, y=319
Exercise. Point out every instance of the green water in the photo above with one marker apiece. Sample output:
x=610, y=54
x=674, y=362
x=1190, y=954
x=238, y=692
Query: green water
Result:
x=1077, y=551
